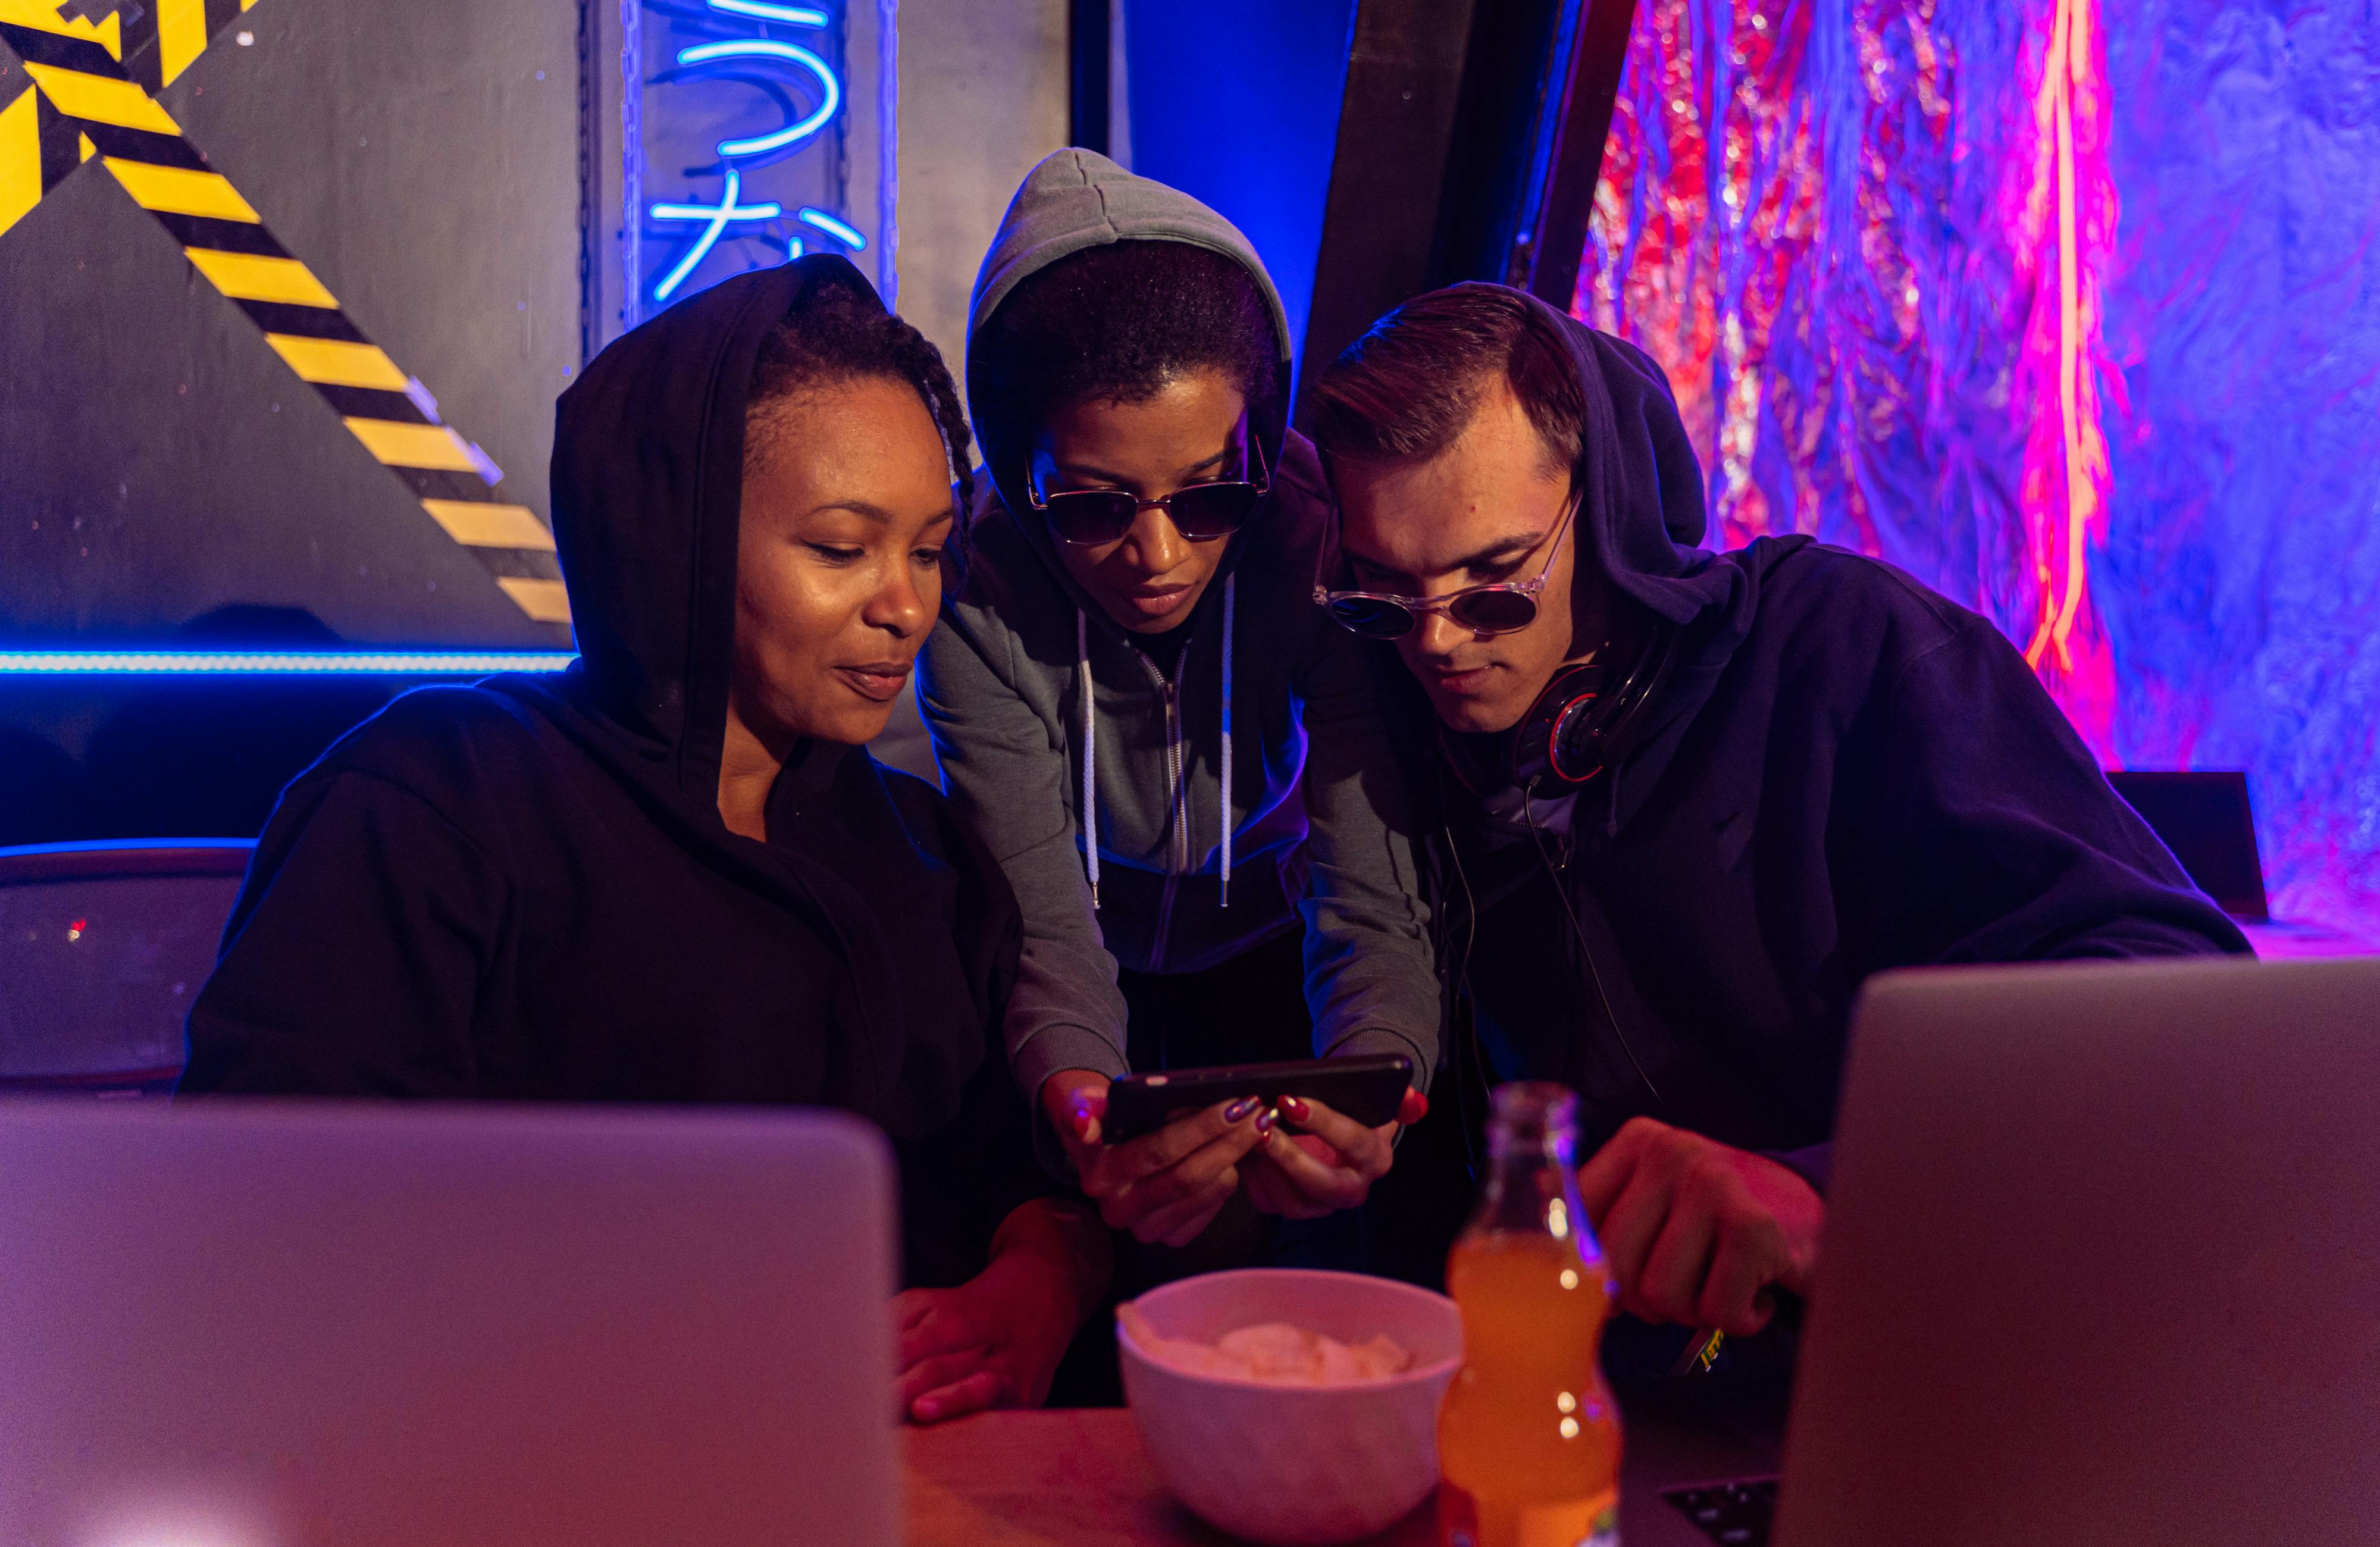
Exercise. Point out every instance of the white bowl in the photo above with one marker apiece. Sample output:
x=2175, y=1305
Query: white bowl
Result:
x=1294, y=1466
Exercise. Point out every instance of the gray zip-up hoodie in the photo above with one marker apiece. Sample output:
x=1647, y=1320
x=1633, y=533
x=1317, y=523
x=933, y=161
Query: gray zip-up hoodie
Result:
x=1269, y=696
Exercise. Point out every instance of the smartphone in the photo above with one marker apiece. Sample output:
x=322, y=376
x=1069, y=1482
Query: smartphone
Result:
x=1368, y=1090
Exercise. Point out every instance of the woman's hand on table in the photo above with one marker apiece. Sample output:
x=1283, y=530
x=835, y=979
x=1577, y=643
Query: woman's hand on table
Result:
x=986, y=1344
x=995, y=1341
x=1698, y=1233
x=1166, y=1186
x=1329, y=1167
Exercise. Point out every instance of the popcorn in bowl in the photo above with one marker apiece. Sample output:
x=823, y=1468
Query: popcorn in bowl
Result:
x=1337, y=1442
x=1274, y=1352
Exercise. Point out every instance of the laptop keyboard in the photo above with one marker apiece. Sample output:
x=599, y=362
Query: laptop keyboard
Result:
x=1734, y=1513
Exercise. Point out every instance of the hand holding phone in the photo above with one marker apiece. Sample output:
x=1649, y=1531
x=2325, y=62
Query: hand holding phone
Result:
x=1165, y=1187
x=1369, y=1091
x=1324, y=1125
x=1329, y=1165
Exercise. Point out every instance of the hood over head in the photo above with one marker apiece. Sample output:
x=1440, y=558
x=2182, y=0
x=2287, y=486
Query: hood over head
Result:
x=648, y=494
x=1642, y=522
x=1641, y=503
x=1641, y=513
x=1072, y=201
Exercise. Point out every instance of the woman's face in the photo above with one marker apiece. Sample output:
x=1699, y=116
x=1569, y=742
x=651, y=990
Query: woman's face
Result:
x=847, y=506
x=1149, y=579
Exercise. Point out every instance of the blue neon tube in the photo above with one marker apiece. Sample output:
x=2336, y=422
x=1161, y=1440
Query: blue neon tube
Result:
x=791, y=53
x=833, y=227
x=280, y=663
x=715, y=217
x=792, y=15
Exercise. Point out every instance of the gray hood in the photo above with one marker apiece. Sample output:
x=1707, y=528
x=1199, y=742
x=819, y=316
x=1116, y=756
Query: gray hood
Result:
x=1161, y=822
x=1076, y=199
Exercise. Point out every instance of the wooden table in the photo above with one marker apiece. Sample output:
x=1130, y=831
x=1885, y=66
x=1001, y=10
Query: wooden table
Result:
x=1067, y=1477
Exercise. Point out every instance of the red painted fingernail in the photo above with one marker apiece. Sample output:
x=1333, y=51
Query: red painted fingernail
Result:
x=1298, y=1111
x=1416, y=1108
x=1082, y=1127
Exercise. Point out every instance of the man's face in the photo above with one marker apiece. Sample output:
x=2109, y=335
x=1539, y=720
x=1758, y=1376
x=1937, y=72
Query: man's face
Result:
x=1483, y=510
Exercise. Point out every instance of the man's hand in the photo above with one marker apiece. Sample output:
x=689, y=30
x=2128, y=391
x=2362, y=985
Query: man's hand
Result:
x=1165, y=1187
x=995, y=1341
x=1329, y=1167
x=1698, y=1233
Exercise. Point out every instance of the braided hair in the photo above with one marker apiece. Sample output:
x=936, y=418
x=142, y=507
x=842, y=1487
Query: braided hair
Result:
x=840, y=335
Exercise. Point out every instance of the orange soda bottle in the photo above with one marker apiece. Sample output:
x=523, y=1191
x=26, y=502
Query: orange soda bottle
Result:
x=1528, y=1440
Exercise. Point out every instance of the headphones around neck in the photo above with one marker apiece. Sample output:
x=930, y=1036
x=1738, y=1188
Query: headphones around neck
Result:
x=1584, y=722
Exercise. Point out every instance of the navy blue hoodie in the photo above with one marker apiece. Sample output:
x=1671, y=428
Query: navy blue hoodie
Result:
x=523, y=890
x=1844, y=772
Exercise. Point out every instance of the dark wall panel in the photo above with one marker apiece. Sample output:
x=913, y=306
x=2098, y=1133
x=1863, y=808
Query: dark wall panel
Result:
x=423, y=161
x=1237, y=102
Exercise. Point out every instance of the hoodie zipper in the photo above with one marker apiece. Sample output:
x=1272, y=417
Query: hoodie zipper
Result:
x=1178, y=861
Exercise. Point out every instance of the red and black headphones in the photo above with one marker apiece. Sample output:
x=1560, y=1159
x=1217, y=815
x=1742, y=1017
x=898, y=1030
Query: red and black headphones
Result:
x=1584, y=722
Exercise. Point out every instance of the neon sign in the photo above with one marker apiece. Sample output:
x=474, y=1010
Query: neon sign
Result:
x=792, y=15
x=729, y=214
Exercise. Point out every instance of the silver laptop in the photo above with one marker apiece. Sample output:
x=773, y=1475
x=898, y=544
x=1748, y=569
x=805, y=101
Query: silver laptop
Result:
x=2102, y=1265
x=302, y=1325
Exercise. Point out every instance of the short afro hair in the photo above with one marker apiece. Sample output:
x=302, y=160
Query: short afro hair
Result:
x=1116, y=324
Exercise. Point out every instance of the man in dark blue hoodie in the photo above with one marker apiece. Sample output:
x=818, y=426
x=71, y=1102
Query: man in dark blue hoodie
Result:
x=1687, y=802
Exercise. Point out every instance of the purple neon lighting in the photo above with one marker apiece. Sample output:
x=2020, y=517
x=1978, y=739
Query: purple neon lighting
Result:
x=279, y=663
x=2014, y=293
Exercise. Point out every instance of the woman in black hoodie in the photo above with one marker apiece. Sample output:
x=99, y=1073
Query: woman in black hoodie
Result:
x=673, y=874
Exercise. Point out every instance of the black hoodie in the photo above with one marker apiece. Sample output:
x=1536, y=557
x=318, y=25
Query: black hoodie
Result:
x=1844, y=772
x=523, y=890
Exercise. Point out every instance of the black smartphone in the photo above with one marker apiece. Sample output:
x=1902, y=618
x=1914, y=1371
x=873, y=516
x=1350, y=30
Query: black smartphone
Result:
x=1368, y=1090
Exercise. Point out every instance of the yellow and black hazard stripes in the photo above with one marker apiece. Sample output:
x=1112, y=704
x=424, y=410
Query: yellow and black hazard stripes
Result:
x=21, y=182
x=160, y=43
x=37, y=147
x=43, y=16
x=91, y=98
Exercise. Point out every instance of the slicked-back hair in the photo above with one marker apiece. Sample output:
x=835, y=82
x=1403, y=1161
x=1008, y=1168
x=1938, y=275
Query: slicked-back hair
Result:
x=840, y=335
x=1408, y=388
x=1116, y=324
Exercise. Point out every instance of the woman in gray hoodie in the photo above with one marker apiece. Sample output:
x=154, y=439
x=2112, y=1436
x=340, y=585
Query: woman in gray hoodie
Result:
x=1173, y=753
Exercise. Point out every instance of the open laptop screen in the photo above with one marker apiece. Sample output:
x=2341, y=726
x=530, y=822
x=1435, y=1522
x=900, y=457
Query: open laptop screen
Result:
x=2204, y=818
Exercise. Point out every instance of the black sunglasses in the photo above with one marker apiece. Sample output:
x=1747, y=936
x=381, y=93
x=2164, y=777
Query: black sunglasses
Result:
x=1500, y=607
x=1202, y=512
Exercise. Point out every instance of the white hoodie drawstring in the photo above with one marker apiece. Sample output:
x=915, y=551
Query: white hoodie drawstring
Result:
x=1090, y=755
x=1228, y=583
x=1091, y=744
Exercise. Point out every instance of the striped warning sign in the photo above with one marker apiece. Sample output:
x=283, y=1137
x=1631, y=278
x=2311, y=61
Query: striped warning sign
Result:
x=38, y=149
x=93, y=98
